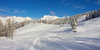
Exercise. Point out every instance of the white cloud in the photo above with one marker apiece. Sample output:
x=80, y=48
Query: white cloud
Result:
x=4, y=10
x=16, y=11
x=66, y=4
x=23, y=11
x=63, y=1
x=3, y=15
x=0, y=7
x=74, y=5
x=64, y=15
x=98, y=2
x=79, y=7
x=52, y=12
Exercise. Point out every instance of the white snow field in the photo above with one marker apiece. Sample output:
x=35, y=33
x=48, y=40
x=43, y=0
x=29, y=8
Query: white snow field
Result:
x=52, y=37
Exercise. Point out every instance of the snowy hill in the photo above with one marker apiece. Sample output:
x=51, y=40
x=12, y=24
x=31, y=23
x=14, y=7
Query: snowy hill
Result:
x=82, y=18
x=48, y=17
x=15, y=18
x=52, y=37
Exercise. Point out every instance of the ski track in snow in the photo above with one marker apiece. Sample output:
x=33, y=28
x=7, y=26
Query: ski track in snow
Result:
x=52, y=37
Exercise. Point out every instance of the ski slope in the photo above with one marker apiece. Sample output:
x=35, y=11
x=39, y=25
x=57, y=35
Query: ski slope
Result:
x=52, y=37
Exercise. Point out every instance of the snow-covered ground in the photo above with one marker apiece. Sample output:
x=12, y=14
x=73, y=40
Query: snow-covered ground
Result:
x=52, y=37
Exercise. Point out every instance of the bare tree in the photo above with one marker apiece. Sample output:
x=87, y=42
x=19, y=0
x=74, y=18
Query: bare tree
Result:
x=1, y=29
x=10, y=28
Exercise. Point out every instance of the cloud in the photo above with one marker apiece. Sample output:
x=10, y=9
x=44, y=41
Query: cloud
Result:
x=16, y=11
x=65, y=15
x=52, y=12
x=63, y=1
x=4, y=10
x=88, y=0
x=23, y=11
x=74, y=5
x=79, y=7
x=98, y=2
x=2, y=15
x=66, y=4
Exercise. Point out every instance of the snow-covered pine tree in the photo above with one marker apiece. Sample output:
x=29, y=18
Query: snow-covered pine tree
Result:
x=87, y=16
x=98, y=12
x=74, y=24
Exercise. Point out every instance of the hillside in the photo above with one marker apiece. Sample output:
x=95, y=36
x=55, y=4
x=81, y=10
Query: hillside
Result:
x=47, y=19
x=52, y=37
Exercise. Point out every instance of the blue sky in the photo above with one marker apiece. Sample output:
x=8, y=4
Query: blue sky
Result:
x=38, y=8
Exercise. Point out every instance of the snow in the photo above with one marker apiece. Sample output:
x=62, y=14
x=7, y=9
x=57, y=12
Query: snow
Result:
x=15, y=18
x=52, y=37
x=65, y=17
x=48, y=17
x=82, y=18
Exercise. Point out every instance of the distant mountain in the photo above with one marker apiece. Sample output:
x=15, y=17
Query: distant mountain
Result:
x=48, y=17
x=15, y=18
